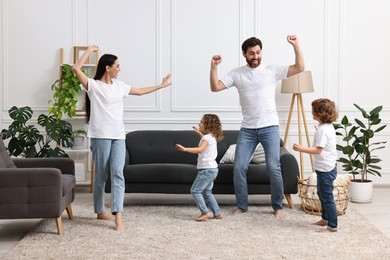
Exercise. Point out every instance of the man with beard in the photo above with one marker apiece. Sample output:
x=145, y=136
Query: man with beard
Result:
x=256, y=84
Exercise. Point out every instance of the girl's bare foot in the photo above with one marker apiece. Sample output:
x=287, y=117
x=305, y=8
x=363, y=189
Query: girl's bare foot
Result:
x=321, y=223
x=203, y=216
x=118, y=222
x=105, y=216
x=279, y=214
x=218, y=217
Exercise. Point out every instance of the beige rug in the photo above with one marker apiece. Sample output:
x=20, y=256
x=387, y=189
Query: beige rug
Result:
x=168, y=232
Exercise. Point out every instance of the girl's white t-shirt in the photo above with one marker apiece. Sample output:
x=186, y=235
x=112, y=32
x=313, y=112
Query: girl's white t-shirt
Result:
x=106, y=115
x=206, y=159
x=325, y=137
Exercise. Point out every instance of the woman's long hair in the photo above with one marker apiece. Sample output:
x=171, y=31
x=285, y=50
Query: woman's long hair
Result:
x=104, y=61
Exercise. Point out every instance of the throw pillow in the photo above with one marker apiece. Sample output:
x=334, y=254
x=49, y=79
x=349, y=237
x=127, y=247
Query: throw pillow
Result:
x=257, y=157
x=5, y=159
x=228, y=157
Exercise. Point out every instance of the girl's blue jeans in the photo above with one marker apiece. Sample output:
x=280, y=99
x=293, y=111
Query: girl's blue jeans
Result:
x=109, y=157
x=201, y=190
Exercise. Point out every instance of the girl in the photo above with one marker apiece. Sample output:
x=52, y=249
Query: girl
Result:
x=325, y=155
x=106, y=129
x=210, y=131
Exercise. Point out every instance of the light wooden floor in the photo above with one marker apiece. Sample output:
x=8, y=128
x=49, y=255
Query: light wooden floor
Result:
x=11, y=231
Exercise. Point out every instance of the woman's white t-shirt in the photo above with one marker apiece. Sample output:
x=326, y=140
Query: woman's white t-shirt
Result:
x=325, y=137
x=106, y=115
x=206, y=159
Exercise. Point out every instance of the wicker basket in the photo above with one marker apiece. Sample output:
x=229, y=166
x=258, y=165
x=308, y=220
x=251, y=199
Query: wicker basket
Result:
x=311, y=203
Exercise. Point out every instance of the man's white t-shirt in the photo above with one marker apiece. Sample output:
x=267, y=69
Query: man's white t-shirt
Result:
x=257, y=87
x=206, y=159
x=106, y=115
x=325, y=137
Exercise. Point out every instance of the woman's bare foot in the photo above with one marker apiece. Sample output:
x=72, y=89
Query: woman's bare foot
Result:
x=218, y=217
x=203, y=216
x=321, y=223
x=235, y=212
x=118, y=222
x=105, y=216
x=279, y=214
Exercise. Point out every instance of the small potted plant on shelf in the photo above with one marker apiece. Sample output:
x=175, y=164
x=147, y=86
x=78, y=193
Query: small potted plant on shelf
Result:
x=358, y=147
x=78, y=139
x=65, y=90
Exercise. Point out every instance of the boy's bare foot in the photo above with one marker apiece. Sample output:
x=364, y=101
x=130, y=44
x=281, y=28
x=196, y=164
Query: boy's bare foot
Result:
x=203, y=216
x=235, y=212
x=321, y=223
x=118, y=222
x=218, y=217
x=105, y=216
x=279, y=214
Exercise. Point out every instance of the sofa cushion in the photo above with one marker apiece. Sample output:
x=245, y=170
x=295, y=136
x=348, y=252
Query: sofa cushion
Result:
x=5, y=159
x=160, y=173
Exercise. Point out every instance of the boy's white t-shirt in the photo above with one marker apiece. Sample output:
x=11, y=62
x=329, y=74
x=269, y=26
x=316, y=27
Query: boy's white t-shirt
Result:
x=106, y=115
x=206, y=159
x=325, y=137
x=257, y=87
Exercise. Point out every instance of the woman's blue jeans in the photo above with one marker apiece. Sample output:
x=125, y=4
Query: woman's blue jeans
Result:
x=325, y=193
x=109, y=157
x=201, y=190
x=247, y=141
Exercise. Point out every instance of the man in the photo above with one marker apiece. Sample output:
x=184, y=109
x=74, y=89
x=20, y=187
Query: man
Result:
x=256, y=84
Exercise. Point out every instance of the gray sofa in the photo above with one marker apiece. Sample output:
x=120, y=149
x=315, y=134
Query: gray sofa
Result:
x=153, y=165
x=36, y=187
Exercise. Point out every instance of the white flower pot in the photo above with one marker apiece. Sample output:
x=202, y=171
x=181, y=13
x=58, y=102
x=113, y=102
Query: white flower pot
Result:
x=361, y=192
x=78, y=143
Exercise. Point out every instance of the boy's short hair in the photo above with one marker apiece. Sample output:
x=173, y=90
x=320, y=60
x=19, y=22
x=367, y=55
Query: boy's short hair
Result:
x=325, y=110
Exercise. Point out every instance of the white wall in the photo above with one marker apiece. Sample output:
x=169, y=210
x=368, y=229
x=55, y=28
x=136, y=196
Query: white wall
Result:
x=345, y=44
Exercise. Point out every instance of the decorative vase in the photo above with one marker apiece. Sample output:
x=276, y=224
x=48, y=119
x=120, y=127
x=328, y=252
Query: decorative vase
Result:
x=361, y=192
x=78, y=143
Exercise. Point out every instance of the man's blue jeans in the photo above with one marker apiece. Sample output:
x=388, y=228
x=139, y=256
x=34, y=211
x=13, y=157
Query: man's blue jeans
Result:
x=108, y=156
x=201, y=190
x=325, y=193
x=247, y=141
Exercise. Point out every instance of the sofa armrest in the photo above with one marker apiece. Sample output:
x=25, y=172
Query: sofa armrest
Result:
x=290, y=171
x=65, y=165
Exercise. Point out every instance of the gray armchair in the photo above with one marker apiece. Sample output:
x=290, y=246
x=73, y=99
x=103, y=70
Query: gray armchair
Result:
x=36, y=187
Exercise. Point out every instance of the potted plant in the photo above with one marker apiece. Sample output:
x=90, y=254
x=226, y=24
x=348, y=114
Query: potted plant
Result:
x=78, y=139
x=27, y=141
x=358, y=147
x=65, y=97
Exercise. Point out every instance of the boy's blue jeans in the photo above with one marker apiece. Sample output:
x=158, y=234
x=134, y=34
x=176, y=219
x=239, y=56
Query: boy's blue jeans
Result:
x=108, y=156
x=246, y=144
x=201, y=190
x=325, y=193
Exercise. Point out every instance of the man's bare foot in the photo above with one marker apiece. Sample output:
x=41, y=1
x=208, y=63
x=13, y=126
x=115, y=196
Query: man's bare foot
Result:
x=235, y=212
x=321, y=223
x=279, y=214
x=118, y=222
x=203, y=216
x=218, y=217
x=105, y=216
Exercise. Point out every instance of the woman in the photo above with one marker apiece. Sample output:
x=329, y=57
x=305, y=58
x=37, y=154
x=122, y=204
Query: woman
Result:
x=106, y=129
